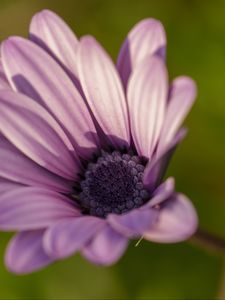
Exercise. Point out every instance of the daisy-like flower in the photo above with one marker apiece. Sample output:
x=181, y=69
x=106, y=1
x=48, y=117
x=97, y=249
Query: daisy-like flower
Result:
x=85, y=144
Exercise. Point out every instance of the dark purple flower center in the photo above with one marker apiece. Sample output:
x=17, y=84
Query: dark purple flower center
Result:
x=113, y=184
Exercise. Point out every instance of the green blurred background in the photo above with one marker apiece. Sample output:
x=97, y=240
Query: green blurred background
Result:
x=196, y=47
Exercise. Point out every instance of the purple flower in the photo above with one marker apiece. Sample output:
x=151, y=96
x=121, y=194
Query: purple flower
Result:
x=85, y=144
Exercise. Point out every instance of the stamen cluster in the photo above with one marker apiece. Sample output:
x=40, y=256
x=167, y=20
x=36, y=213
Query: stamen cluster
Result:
x=113, y=184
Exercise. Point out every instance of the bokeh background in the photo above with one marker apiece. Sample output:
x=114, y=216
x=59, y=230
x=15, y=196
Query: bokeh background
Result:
x=196, y=47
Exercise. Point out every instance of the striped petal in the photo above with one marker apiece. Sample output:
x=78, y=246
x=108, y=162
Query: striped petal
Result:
x=134, y=223
x=17, y=167
x=182, y=96
x=161, y=194
x=177, y=221
x=103, y=90
x=156, y=168
x=33, y=72
x=66, y=237
x=106, y=247
x=8, y=185
x=51, y=33
x=4, y=84
x=25, y=253
x=146, y=38
x=35, y=133
x=27, y=208
x=147, y=95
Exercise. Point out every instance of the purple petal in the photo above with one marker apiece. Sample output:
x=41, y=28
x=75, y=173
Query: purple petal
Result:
x=103, y=90
x=106, y=247
x=156, y=168
x=7, y=185
x=17, y=167
x=33, y=72
x=25, y=253
x=66, y=237
x=34, y=132
x=28, y=208
x=162, y=193
x=177, y=221
x=182, y=96
x=134, y=223
x=4, y=84
x=147, y=95
x=50, y=32
x=145, y=38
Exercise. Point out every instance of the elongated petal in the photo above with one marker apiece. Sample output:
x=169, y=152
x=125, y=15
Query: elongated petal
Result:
x=29, y=208
x=8, y=185
x=33, y=72
x=177, y=221
x=17, y=167
x=4, y=84
x=147, y=94
x=156, y=168
x=146, y=38
x=33, y=131
x=66, y=237
x=25, y=253
x=103, y=89
x=50, y=32
x=134, y=223
x=106, y=247
x=162, y=193
x=182, y=96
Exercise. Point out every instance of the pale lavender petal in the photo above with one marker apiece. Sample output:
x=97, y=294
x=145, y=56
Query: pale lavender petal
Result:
x=146, y=38
x=34, y=132
x=66, y=237
x=33, y=72
x=106, y=247
x=156, y=168
x=103, y=90
x=17, y=167
x=7, y=185
x=50, y=32
x=162, y=193
x=133, y=223
x=182, y=96
x=25, y=253
x=147, y=95
x=27, y=208
x=4, y=84
x=177, y=221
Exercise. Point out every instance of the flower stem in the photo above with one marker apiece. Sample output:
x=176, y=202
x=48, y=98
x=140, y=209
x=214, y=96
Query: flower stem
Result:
x=209, y=241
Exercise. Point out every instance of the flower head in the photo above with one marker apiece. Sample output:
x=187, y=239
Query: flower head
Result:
x=85, y=144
